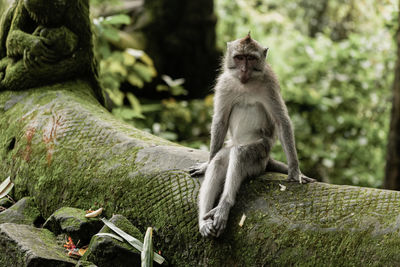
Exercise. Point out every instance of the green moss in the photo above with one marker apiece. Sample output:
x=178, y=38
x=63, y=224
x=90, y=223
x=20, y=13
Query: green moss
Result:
x=56, y=37
x=22, y=212
x=78, y=155
x=40, y=244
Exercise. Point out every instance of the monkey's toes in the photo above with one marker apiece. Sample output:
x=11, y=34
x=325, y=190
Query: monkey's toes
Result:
x=198, y=169
x=219, y=226
x=194, y=172
x=207, y=229
x=306, y=179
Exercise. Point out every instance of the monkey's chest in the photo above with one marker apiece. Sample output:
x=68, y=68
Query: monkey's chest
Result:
x=248, y=122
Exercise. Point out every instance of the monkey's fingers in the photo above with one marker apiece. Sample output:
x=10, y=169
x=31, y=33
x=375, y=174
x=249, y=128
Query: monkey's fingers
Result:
x=220, y=226
x=196, y=170
x=207, y=229
x=210, y=215
x=306, y=179
x=194, y=173
x=207, y=232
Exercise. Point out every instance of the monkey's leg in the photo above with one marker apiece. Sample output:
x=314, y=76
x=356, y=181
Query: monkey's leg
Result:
x=210, y=188
x=277, y=166
x=244, y=161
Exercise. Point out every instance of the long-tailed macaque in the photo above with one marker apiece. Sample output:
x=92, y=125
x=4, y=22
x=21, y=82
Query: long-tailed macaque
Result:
x=248, y=103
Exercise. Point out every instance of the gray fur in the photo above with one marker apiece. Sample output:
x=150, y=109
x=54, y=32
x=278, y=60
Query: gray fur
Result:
x=253, y=112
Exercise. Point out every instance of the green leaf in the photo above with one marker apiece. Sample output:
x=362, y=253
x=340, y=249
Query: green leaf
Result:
x=162, y=88
x=110, y=235
x=151, y=108
x=111, y=33
x=135, y=80
x=117, y=20
x=135, y=104
x=117, y=67
x=5, y=187
x=178, y=90
x=116, y=96
x=145, y=72
x=147, y=253
x=127, y=113
x=131, y=240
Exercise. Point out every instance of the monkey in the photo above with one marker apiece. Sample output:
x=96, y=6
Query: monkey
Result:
x=248, y=105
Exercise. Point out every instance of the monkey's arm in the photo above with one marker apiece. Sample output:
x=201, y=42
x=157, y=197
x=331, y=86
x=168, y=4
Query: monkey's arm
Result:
x=219, y=128
x=277, y=109
x=220, y=123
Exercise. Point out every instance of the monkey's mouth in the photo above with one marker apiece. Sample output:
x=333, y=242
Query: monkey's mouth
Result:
x=244, y=77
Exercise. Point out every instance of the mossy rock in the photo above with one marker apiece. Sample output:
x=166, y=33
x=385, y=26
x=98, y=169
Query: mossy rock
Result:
x=24, y=211
x=25, y=245
x=83, y=263
x=69, y=151
x=107, y=251
x=72, y=222
x=5, y=202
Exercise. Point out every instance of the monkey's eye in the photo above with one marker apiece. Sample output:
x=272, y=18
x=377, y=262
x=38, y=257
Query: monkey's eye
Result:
x=239, y=57
x=251, y=58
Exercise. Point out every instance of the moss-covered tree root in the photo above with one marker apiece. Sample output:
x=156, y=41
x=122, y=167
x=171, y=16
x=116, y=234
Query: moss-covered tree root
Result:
x=61, y=147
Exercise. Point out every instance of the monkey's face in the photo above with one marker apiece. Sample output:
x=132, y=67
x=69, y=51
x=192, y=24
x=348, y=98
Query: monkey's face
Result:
x=246, y=59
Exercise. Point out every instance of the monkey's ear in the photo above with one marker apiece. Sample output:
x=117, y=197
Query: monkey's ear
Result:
x=265, y=51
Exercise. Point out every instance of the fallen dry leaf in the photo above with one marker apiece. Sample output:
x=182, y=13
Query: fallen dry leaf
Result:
x=93, y=214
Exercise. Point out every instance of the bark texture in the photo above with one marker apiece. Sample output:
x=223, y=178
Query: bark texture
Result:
x=392, y=176
x=61, y=147
x=181, y=39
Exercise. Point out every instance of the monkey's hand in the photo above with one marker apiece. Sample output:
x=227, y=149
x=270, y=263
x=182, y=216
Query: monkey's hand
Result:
x=206, y=228
x=219, y=216
x=300, y=178
x=198, y=169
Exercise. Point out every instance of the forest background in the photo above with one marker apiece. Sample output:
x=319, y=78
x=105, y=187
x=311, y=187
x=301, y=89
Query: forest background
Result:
x=335, y=61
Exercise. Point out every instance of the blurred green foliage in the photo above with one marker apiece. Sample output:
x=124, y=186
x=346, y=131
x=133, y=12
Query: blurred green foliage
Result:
x=334, y=60
x=177, y=120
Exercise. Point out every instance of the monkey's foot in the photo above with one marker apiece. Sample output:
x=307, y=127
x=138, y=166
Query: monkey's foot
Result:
x=219, y=216
x=302, y=179
x=206, y=228
x=198, y=169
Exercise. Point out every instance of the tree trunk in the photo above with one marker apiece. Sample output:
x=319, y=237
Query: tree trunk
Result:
x=181, y=39
x=392, y=178
x=61, y=147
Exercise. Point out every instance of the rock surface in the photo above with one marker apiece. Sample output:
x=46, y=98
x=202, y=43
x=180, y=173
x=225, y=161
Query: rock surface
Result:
x=70, y=151
x=5, y=203
x=25, y=245
x=22, y=212
x=107, y=251
x=72, y=222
